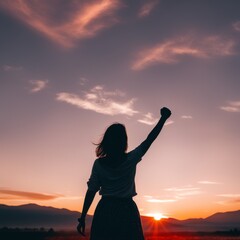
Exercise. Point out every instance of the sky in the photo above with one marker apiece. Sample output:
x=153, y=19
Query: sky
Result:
x=69, y=69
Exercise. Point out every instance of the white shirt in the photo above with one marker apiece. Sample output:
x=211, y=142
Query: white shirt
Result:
x=118, y=181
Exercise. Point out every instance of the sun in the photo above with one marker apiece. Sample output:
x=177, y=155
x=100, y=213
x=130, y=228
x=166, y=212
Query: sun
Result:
x=157, y=216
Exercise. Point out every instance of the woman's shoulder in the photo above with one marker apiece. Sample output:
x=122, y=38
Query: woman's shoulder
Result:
x=136, y=154
x=100, y=160
x=111, y=162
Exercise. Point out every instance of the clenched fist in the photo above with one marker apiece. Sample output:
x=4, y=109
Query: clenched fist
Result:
x=165, y=113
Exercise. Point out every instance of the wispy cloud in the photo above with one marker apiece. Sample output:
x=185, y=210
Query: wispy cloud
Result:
x=64, y=25
x=147, y=8
x=156, y=200
x=99, y=100
x=148, y=119
x=9, y=68
x=83, y=81
x=152, y=199
x=230, y=198
x=169, y=122
x=232, y=106
x=38, y=85
x=236, y=26
x=221, y=202
x=9, y=194
x=208, y=182
x=172, y=50
x=229, y=195
x=184, y=191
x=186, y=117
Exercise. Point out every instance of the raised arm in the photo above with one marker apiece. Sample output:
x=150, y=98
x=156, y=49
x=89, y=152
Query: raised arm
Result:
x=165, y=114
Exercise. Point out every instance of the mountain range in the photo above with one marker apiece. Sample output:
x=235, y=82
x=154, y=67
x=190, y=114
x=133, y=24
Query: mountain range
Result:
x=35, y=216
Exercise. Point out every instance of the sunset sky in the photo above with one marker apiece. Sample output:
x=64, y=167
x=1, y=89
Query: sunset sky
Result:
x=69, y=69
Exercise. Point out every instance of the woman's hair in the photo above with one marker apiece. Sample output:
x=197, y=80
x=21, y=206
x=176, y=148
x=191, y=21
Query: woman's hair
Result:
x=114, y=141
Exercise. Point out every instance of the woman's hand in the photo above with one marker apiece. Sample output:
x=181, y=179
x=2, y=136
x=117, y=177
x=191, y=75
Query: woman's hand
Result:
x=81, y=226
x=165, y=112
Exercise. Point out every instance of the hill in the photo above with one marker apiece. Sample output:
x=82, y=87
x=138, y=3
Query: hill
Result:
x=32, y=215
x=35, y=216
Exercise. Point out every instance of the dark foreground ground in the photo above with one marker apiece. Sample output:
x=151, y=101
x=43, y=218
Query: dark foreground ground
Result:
x=50, y=234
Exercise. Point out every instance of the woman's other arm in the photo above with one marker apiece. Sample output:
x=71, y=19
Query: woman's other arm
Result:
x=165, y=114
x=87, y=203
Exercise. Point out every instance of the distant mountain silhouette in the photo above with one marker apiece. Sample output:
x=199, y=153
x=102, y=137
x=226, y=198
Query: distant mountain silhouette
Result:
x=217, y=222
x=32, y=215
x=35, y=216
x=233, y=217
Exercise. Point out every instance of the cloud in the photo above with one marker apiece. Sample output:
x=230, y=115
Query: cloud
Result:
x=156, y=200
x=184, y=191
x=72, y=197
x=148, y=119
x=151, y=199
x=100, y=101
x=186, y=117
x=83, y=81
x=65, y=22
x=232, y=106
x=236, y=26
x=230, y=109
x=229, y=195
x=171, y=51
x=208, y=182
x=12, y=194
x=231, y=198
x=38, y=85
x=9, y=68
x=147, y=8
x=169, y=122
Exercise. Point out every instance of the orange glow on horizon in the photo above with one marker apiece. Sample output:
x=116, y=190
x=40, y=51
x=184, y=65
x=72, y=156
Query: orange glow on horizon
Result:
x=157, y=216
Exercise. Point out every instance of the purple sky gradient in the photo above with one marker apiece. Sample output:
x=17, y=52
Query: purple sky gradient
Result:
x=68, y=69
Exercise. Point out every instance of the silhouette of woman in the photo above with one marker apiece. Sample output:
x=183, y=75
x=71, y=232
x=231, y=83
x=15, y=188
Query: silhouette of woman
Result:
x=116, y=216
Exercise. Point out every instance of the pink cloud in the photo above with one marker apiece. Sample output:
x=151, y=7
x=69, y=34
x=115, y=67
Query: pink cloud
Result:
x=208, y=182
x=186, y=117
x=232, y=106
x=236, y=26
x=183, y=192
x=172, y=50
x=79, y=20
x=147, y=8
x=152, y=199
x=13, y=194
x=38, y=85
x=9, y=68
x=148, y=119
x=101, y=101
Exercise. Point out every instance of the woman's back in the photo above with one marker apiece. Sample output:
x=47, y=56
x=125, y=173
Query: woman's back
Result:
x=115, y=176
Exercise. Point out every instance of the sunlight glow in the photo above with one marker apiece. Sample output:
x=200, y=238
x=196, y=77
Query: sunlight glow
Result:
x=157, y=216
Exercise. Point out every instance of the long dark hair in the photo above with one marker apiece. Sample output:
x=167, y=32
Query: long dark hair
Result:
x=114, y=141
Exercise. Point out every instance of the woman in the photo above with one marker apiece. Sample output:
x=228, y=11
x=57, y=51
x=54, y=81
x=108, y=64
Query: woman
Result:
x=116, y=215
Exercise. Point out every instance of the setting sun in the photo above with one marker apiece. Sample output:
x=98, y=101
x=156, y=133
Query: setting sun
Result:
x=156, y=216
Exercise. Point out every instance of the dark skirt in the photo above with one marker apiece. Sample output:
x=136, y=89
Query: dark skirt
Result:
x=116, y=219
